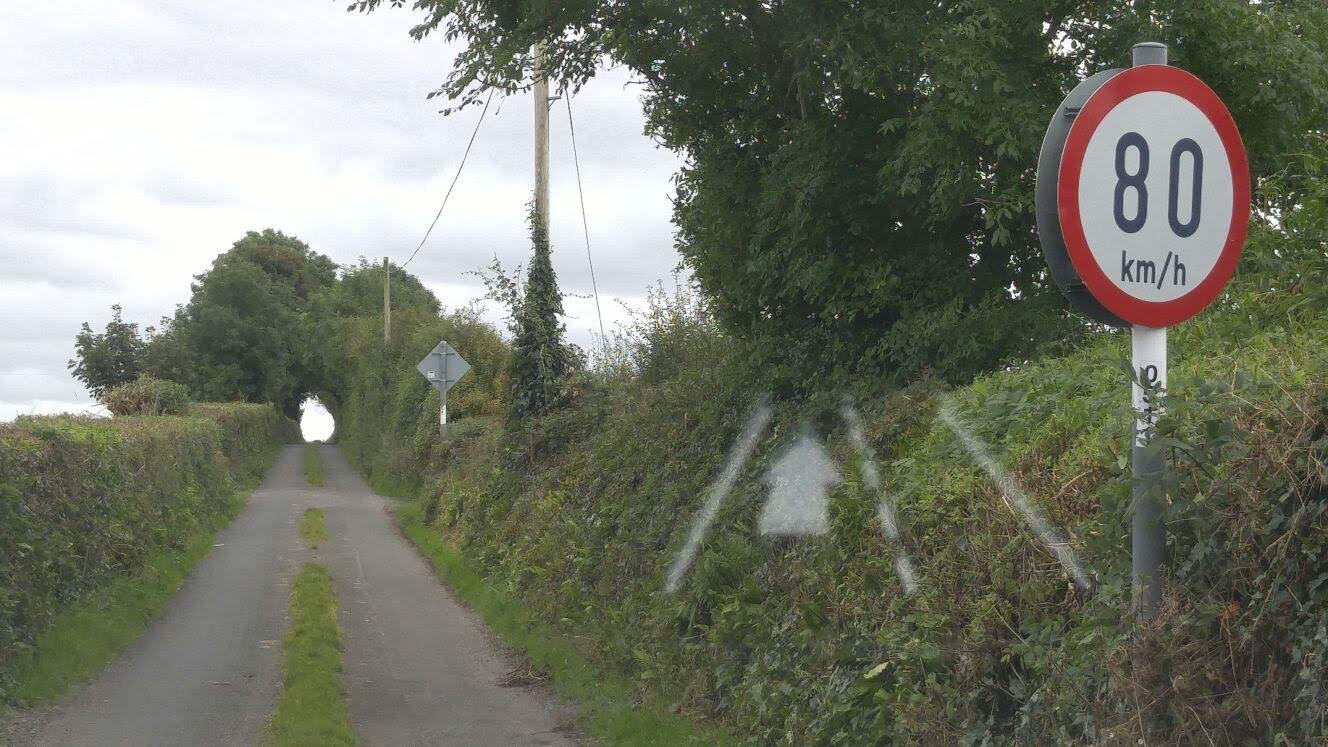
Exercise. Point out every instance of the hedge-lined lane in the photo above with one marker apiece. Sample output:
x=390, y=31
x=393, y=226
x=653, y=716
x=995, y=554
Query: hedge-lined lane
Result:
x=207, y=670
x=84, y=501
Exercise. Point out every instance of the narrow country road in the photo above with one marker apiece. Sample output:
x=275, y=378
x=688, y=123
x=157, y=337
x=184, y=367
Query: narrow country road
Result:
x=420, y=668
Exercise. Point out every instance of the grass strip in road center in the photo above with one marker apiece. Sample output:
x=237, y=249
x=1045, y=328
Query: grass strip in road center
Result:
x=313, y=466
x=313, y=526
x=311, y=708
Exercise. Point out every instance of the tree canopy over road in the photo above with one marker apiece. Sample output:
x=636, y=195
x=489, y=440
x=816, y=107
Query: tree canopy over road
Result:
x=858, y=185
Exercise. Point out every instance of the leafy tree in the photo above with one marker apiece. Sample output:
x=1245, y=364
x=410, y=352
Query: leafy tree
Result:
x=108, y=359
x=247, y=327
x=851, y=167
x=359, y=292
x=243, y=334
x=287, y=260
x=166, y=353
x=541, y=362
x=352, y=307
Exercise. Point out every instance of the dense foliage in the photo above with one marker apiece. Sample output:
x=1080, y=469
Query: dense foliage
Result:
x=581, y=513
x=387, y=414
x=541, y=362
x=859, y=176
x=247, y=330
x=84, y=500
x=246, y=333
x=107, y=359
x=147, y=396
x=816, y=642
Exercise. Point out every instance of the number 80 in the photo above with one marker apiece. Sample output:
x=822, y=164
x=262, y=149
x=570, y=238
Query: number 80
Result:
x=1137, y=181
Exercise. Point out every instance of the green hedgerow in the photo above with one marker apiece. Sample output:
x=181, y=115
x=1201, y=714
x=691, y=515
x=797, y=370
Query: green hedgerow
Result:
x=147, y=396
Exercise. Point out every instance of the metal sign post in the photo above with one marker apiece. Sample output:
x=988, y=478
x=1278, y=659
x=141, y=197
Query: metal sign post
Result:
x=1143, y=202
x=443, y=367
x=1148, y=467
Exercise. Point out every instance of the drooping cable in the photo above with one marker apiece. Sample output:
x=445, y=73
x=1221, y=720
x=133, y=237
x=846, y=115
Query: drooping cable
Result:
x=585, y=225
x=455, y=177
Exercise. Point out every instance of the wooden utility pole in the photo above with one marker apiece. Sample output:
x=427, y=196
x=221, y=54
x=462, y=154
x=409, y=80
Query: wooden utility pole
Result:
x=387, y=303
x=541, y=139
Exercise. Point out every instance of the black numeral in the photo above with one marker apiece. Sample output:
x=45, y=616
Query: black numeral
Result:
x=1138, y=181
x=1125, y=180
x=1185, y=230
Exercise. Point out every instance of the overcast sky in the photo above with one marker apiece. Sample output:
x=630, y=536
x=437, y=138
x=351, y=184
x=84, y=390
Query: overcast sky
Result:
x=141, y=138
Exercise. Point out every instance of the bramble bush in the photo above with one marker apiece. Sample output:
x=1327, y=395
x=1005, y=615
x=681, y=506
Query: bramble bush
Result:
x=86, y=500
x=147, y=396
x=580, y=514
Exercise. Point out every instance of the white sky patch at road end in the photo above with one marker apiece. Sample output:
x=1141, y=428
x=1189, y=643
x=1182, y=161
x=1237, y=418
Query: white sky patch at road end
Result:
x=316, y=423
x=141, y=138
x=1017, y=499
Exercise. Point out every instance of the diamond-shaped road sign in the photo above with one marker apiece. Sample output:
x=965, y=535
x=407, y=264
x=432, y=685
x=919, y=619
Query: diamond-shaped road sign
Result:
x=443, y=366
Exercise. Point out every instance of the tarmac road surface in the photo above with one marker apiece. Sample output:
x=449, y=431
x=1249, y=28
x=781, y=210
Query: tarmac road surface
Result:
x=420, y=668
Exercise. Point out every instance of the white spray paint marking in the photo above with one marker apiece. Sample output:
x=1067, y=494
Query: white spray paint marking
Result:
x=737, y=458
x=1017, y=499
x=885, y=511
x=797, y=505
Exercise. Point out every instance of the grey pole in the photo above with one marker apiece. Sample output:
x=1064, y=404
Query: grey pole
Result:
x=1150, y=53
x=442, y=402
x=1149, y=544
x=541, y=96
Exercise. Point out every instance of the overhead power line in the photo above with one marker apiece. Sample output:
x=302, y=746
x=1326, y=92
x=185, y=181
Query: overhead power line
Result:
x=457, y=176
x=585, y=225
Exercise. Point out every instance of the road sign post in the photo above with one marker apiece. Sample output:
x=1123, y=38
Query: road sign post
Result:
x=1148, y=466
x=442, y=367
x=1143, y=202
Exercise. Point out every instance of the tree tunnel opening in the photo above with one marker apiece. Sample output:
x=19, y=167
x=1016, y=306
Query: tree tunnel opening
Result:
x=316, y=422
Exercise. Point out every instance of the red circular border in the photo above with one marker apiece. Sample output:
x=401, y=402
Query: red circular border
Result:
x=1115, y=91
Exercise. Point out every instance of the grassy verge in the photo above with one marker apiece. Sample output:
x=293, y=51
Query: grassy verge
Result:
x=310, y=709
x=313, y=527
x=599, y=695
x=313, y=466
x=83, y=639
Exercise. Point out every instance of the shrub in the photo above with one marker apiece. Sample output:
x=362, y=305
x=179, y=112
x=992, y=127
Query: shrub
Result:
x=147, y=396
x=580, y=514
x=85, y=500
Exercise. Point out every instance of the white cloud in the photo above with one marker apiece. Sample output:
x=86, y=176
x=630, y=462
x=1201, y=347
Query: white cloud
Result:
x=141, y=138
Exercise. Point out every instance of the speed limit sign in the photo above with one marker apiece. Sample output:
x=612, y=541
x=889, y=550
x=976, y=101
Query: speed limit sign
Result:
x=1143, y=202
x=1153, y=195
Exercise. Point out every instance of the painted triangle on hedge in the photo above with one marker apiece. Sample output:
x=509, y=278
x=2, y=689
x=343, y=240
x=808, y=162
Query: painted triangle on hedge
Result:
x=798, y=504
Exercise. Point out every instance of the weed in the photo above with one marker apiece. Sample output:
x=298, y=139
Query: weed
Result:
x=313, y=526
x=310, y=708
x=313, y=466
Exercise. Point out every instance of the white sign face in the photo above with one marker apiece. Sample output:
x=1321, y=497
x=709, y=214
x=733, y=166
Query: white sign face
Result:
x=1153, y=195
